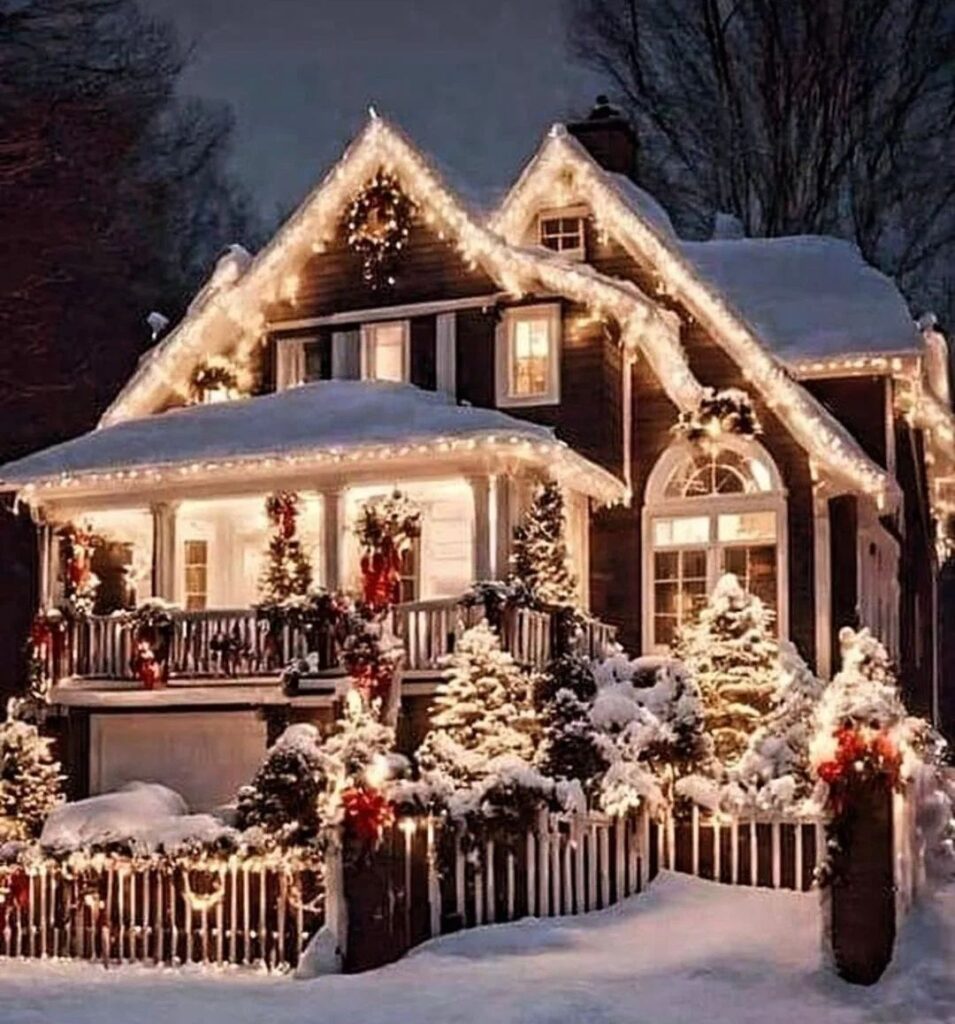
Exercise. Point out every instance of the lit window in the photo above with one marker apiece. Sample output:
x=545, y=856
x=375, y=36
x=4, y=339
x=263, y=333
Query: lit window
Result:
x=711, y=512
x=196, y=564
x=529, y=356
x=385, y=351
x=563, y=234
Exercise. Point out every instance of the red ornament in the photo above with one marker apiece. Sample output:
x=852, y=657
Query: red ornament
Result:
x=860, y=756
x=367, y=813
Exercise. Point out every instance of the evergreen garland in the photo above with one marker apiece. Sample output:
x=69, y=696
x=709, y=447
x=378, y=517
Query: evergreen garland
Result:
x=288, y=572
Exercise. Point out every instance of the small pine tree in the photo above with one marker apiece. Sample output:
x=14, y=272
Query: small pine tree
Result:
x=288, y=572
x=539, y=564
x=569, y=746
x=733, y=655
x=30, y=780
x=482, y=711
x=283, y=797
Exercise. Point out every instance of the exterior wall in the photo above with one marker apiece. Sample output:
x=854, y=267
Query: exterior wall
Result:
x=859, y=403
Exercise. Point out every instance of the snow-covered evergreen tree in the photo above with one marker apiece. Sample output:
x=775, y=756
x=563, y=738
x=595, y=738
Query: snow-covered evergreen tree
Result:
x=283, y=797
x=569, y=745
x=30, y=779
x=732, y=654
x=482, y=710
x=539, y=562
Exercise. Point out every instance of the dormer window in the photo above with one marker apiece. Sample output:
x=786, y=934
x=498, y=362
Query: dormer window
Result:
x=528, y=356
x=385, y=351
x=562, y=231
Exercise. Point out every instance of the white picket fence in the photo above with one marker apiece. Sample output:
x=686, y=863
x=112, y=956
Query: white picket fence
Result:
x=241, y=913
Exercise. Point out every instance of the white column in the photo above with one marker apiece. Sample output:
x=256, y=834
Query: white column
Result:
x=332, y=519
x=164, y=549
x=483, y=556
x=46, y=563
x=822, y=574
x=505, y=507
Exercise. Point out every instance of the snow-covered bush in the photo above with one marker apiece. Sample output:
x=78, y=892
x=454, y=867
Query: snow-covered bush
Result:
x=30, y=779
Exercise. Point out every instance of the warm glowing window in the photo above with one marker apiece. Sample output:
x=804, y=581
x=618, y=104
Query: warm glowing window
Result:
x=385, y=351
x=564, y=234
x=711, y=511
x=196, y=569
x=529, y=356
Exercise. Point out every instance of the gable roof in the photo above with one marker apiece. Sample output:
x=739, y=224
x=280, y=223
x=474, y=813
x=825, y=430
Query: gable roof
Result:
x=229, y=316
x=562, y=162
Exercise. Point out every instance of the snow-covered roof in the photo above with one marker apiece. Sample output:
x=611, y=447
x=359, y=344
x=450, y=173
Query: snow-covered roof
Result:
x=329, y=420
x=641, y=202
x=807, y=295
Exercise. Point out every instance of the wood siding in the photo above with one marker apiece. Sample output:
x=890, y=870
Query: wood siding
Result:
x=859, y=404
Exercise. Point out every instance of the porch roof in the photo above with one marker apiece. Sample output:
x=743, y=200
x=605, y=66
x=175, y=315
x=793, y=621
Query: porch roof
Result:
x=329, y=425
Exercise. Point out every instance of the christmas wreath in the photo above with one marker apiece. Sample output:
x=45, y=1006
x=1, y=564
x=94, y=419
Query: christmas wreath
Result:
x=215, y=374
x=385, y=529
x=719, y=412
x=378, y=222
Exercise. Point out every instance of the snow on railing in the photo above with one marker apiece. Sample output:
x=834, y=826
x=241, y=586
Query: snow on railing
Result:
x=127, y=911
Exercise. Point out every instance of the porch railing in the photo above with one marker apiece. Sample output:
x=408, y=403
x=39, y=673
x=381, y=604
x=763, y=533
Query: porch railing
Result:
x=232, y=643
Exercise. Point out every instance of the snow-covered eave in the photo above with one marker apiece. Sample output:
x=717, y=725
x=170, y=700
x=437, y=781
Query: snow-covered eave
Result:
x=563, y=163
x=236, y=312
x=477, y=452
x=856, y=364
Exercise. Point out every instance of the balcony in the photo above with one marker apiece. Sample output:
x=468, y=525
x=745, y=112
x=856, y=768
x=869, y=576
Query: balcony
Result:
x=232, y=645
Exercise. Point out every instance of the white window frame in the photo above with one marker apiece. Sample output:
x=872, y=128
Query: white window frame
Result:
x=369, y=333
x=578, y=213
x=506, y=331
x=657, y=506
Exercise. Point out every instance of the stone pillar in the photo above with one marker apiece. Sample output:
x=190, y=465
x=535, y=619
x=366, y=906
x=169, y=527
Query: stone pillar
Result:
x=164, y=550
x=332, y=521
x=483, y=556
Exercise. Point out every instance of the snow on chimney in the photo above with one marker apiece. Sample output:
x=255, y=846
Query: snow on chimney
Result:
x=609, y=136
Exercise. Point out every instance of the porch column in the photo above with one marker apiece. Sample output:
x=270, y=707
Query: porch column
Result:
x=332, y=519
x=506, y=516
x=46, y=564
x=164, y=549
x=483, y=555
x=823, y=580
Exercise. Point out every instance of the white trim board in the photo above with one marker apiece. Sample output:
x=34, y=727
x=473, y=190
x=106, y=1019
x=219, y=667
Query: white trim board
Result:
x=378, y=313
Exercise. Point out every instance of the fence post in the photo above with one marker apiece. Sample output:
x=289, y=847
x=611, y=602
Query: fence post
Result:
x=434, y=885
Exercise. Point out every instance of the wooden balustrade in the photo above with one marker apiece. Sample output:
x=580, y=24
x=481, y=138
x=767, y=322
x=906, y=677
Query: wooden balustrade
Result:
x=234, y=643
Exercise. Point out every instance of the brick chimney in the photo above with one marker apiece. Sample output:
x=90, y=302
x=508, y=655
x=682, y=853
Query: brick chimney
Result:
x=609, y=136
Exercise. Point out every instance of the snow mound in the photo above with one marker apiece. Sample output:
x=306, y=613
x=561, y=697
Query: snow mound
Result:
x=150, y=816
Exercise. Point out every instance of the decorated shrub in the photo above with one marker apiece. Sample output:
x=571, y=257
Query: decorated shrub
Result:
x=30, y=779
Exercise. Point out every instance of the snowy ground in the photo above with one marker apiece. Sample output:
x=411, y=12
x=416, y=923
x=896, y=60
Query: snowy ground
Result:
x=687, y=951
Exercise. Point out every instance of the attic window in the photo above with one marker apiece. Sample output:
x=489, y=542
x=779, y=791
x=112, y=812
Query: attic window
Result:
x=562, y=231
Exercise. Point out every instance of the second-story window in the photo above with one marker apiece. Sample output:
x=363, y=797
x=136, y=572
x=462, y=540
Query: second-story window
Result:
x=385, y=351
x=563, y=231
x=528, y=356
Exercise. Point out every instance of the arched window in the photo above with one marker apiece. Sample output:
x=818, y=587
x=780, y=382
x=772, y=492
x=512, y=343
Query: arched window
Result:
x=711, y=510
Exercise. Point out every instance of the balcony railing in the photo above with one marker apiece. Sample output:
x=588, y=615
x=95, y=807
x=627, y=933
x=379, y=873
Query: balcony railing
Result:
x=233, y=644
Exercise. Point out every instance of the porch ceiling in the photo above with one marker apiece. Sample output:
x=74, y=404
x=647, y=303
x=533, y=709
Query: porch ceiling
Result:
x=333, y=429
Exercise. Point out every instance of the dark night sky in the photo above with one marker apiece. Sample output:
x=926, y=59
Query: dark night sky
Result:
x=474, y=82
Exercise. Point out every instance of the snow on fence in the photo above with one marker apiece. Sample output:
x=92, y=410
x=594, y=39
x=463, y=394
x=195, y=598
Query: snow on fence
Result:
x=124, y=911
x=770, y=851
x=908, y=852
x=425, y=880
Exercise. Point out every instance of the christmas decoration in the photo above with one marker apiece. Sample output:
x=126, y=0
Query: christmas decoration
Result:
x=151, y=627
x=81, y=582
x=732, y=653
x=378, y=222
x=46, y=635
x=386, y=528
x=288, y=573
x=718, y=413
x=218, y=379
x=538, y=570
x=29, y=778
x=861, y=756
x=371, y=655
x=367, y=813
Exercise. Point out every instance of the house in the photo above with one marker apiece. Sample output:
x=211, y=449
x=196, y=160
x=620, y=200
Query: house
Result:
x=387, y=336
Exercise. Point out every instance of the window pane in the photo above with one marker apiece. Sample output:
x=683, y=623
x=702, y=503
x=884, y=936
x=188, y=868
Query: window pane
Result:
x=388, y=352
x=694, y=565
x=667, y=599
x=666, y=565
x=734, y=560
x=530, y=357
x=682, y=530
x=736, y=526
x=664, y=629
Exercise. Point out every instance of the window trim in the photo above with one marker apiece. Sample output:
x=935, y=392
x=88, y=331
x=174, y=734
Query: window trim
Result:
x=712, y=506
x=368, y=334
x=579, y=212
x=504, y=340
